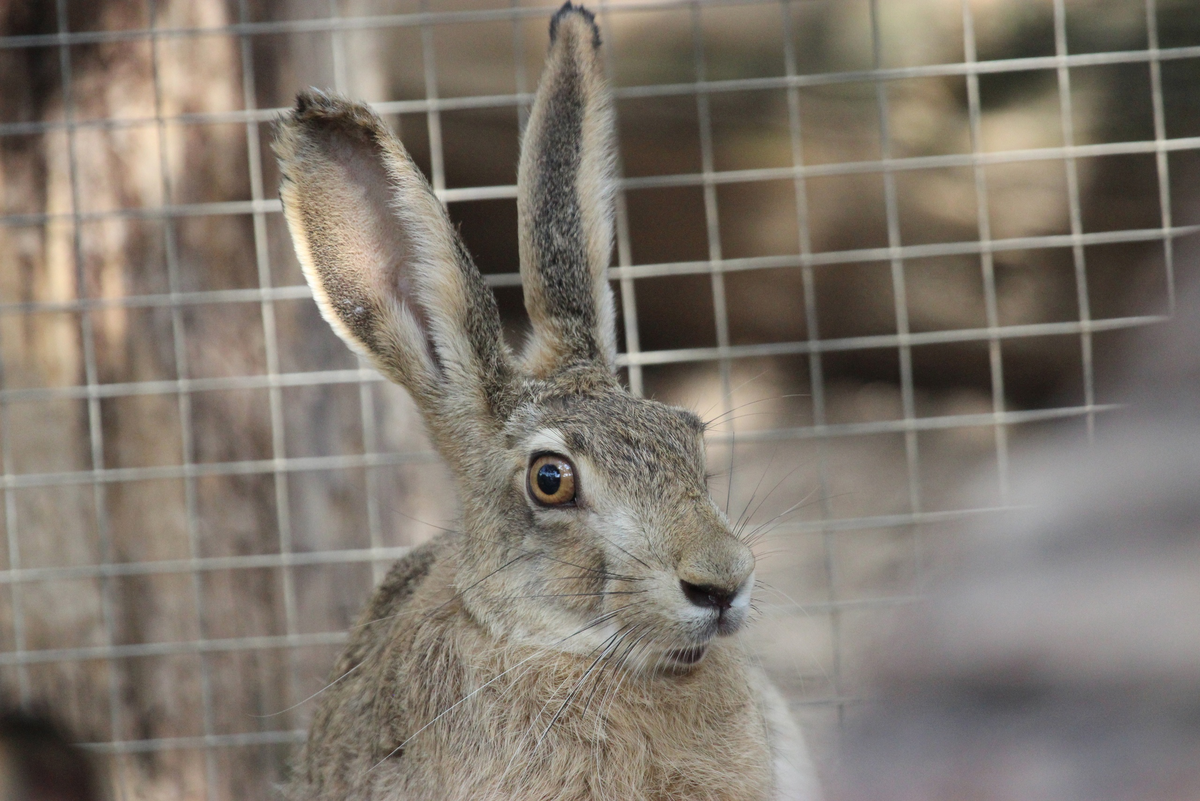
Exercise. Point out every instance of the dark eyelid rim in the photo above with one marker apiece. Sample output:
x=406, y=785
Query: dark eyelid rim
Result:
x=574, y=503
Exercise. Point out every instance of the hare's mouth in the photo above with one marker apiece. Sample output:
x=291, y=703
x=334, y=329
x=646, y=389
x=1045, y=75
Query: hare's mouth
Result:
x=687, y=656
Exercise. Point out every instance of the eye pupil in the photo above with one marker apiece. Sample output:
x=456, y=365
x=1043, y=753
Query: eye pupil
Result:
x=552, y=480
x=549, y=478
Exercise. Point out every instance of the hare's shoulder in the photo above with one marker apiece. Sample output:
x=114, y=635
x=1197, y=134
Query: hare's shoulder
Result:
x=391, y=600
x=344, y=739
x=405, y=577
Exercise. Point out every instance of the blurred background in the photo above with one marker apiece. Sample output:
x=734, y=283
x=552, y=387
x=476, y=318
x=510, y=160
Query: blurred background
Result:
x=886, y=244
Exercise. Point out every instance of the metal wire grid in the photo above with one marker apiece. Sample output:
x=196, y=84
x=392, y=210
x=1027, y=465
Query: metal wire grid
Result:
x=625, y=272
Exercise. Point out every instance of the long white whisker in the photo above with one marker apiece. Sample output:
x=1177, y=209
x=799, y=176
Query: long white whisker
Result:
x=575, y=690
x=601, y=619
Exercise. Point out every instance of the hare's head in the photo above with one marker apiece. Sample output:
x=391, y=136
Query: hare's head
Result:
x=587, y=524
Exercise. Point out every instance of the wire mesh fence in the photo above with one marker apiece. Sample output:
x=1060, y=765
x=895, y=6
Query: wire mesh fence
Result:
x=878, y=242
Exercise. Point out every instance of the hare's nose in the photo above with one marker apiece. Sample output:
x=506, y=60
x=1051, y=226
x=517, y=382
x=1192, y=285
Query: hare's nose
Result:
x=718, y=575
x=709, y=596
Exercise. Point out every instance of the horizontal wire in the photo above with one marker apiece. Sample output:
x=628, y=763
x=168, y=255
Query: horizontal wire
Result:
x=724, y=86
x=213, y=297
x=329, y=25
x=214, y=209
x=339, y=23
x=150, y=745
x=906, y=424
x=932, y=250
x=149, y=649
x=191, y=385
x=160, y=567
x=885, y=341
x=818, y=259
x=291, y=464
x=471, y=194
x=875, y=522
x=657, y=357
x=912, y=163
x=824, y=607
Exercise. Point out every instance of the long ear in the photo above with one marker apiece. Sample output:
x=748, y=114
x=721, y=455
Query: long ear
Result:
x=565, y=203
x=385, y=265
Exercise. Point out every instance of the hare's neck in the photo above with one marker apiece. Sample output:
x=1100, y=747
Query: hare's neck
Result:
x=581, y=724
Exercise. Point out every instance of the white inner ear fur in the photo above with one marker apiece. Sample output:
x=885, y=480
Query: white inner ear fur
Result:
x=596, y=187
x=434, y=273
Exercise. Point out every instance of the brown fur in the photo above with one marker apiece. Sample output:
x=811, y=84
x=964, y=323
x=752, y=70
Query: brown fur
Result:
x=536, y=654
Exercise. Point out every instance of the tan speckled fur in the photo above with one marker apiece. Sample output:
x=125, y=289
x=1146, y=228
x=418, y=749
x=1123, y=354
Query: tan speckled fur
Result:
x=539, y=653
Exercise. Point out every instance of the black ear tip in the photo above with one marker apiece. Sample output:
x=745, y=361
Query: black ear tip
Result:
x=568, y=9
x=309, y=100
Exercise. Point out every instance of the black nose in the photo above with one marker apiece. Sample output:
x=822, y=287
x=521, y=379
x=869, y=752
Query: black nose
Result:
x=708, y=596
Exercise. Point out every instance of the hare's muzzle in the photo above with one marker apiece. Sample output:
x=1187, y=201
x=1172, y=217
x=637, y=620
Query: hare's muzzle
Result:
x=719, y=580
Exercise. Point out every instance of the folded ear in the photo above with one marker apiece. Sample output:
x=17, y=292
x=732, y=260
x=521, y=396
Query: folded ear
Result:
x=383, y=260
x=565, y=190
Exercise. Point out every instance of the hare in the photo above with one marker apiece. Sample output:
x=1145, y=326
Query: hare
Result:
x=572, y=640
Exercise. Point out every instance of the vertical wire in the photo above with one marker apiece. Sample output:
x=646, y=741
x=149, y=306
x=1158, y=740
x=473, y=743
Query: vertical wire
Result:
x=370, y=445
x=1160, y=151
x=433, y=118
x=987, y=263
x=899, y=293
x=337, y=47
x=1077, y=252
x=91, y=377
x=13, y=542
x=366, y=374
x=712, y=227
x=816, y=376
x=520, y=76
x=633, y=344
x=184, y=399
x=262, y=260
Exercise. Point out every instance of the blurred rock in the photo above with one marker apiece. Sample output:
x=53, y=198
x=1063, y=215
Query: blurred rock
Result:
x=1059, y=657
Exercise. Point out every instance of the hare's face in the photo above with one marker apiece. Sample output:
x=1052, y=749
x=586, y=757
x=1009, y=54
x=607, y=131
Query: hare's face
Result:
x=587, y=523
x=629, y=556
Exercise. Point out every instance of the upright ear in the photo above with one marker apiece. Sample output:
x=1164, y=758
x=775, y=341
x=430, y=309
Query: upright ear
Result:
x=385, y=265
x=565, y=203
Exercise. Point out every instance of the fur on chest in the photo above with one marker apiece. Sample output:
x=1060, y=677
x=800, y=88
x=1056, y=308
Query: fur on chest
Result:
x=547, y=726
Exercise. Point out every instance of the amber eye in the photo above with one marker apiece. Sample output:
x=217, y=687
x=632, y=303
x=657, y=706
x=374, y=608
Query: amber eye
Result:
x=552, y=480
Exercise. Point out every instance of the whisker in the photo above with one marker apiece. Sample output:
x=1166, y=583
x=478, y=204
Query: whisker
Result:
x=311, y=697
x=616, y=545
x=771, y=492
x=395, y=510
x=574, y=691
x=548, y=557
x=767, y=497
x=457, y=594
x=768, y=586
x=774, y=552
x=617, y=662
x=580, y=594
x=740, y=386
x=774, y=453
x=374, y=654
x=758, y=531
x=710, y=422
x=597, y=621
